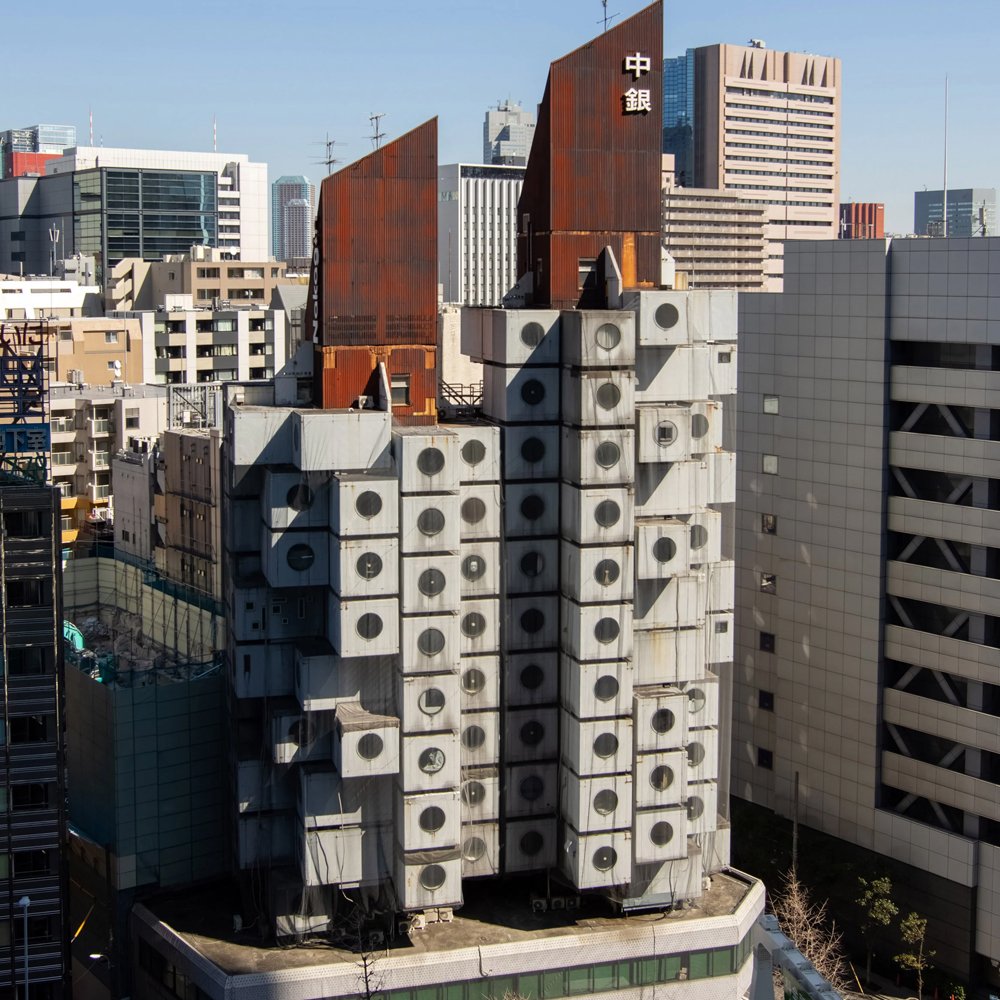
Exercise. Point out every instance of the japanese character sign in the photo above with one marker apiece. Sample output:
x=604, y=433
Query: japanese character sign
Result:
x=634, y=100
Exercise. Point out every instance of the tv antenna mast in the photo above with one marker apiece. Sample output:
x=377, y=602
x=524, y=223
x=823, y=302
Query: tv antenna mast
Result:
x=607, y=18
x=377, y=134
x=329, y=160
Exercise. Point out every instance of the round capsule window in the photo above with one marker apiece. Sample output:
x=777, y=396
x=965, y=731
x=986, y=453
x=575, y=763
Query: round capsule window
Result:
x=696, y=700
x=432, y=877
x=699, y=426
x=606, y=572
x=532, y=621
x=473, y=737
x=532, y=677
x=532, y=733
x=665, y=433
x=662, y=721
x=605, y=802
x=531, y=843
x=370, y=746
x=608, y=396
x=661, y=778
x=473, y=625
x=430, y=461
x=430, y=642
x=608, y=336
x=473, y=510
x=607, y=454
x=532, y=507
x=431, y=760
x=473, y=567
x=699, y=536
x=431, y=701
x=473, y=848
x=532, y=392
x=664, y=549
x=606, y=630
x=606, y=688
x=300, y=557
x=368, y=505
x=300, y=497
x=532, y=450
x=369, y=565
x=661, y=833
x=473, y=680
x=473, y=452
x=430, y=522
x=666, y=316
x=532, y=564
x=607, y=513
x=696, y=806
x=606, y=745
x=431, y=819
x=369, y=625
x=431, y=582
x=531, y=334
x=531, y=788
x=473, y=793
x=605, y=858
x=696, y=754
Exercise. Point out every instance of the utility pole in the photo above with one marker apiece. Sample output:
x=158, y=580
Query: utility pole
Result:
x=944, y=189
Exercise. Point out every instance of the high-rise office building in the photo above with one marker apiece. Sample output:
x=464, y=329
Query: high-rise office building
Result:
x=477, y=232
x=678, y=115
x=507, y=134
x=971, y=212
x=25, y=151
x=291, y=222
x=867, y=629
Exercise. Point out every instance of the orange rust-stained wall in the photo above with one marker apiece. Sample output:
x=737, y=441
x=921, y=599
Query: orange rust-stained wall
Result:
x=374, y=278
x=593, y=176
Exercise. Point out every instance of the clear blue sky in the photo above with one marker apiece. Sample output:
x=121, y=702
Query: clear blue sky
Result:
x=280, y=76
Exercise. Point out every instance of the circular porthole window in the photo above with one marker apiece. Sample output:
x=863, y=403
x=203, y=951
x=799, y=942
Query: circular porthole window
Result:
x=606, y=630
x=606, y=572
x=664, y=549
x=606, y=745
x=532, y=450
x=430, y=522
x=661, y=778
x=473, y=680
x=473, y=452
x=473, y=793
x=607, y=454
x=473, y=848
x=662, y=721
x=532, y=621
x=661, y=833
x=473, y=568
x=431, y=582
x=696, y=700
x=431, y=760
x=370, y=746
x=369, y=565
x=608, y=396
x=532, y=843
x=473, y=625
x=532, y=733
x=531, y=788
x=699, y=536
x=607, y=513
x=531, y=334
x=532, y=507
x=300, y=497
x=369, y=625
x=473, y=737
x=665, y=433
x=430, y=642
x=608, y=336
x=431, y=819
x=696, y=754
x=605, y=858
x=473, y=510
x=300, y=557
x=605, y=802
x=696, y=807
x=699, y=425
x=430, y=461
x=368, y=505
x=431, y=701
x=432, y=877
x=666, y=316
x=532, y=392
x=532, y=677
x=606, y=688
x=532, y=564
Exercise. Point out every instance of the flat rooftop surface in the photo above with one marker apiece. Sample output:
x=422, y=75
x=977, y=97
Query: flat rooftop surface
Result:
x=496, y=911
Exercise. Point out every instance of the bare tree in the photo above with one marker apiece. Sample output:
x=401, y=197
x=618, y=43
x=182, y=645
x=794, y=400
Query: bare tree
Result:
x=809, y=929
x=913, y=931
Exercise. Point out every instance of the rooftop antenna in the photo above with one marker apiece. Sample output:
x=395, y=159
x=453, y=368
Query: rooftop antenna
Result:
x=944, y=187
x=608, y=18
x=377, y=135
x=91, y=110
x=215, y=134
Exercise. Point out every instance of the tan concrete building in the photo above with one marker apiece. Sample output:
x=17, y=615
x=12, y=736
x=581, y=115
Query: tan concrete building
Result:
x=767, y=125
x=87, y=349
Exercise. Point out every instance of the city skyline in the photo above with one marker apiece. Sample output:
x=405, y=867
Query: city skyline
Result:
x=893, y=115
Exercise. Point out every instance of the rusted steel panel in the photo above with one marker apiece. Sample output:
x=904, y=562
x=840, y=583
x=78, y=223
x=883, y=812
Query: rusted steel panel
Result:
x=593, y=177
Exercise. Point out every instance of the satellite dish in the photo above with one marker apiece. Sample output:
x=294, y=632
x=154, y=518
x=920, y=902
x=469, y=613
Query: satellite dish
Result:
x=118, y=368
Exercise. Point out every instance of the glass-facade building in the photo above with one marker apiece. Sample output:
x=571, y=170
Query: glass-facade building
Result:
x=678, y=114
x=120, y=213
x=971, y=212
